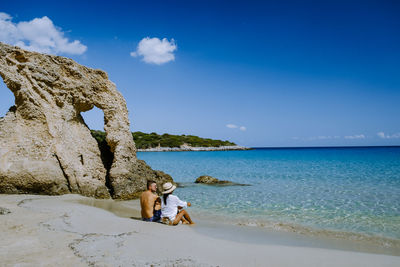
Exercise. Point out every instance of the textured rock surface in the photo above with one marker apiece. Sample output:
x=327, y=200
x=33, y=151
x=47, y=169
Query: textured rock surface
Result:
x=45, y=146
x=209, y=180
x=205, y=179
x=130, y=185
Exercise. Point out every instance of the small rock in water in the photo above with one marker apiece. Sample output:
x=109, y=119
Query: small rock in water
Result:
x=205, y=179
x=4, y=211
x=209, y=180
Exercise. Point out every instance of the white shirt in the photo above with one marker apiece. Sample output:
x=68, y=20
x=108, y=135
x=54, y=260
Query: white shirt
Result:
x=171, y=209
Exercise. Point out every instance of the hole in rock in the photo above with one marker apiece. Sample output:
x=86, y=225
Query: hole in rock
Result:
x=7, y=98
x=94, y=119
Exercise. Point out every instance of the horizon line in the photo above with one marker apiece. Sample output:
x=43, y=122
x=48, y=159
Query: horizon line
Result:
x=305, y=147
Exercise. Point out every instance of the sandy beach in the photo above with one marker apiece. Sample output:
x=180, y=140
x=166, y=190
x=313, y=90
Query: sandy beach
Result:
x=279, y=121
x=61, y=230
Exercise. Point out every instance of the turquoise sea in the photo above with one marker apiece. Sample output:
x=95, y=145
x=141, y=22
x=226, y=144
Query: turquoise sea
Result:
x=342, y=191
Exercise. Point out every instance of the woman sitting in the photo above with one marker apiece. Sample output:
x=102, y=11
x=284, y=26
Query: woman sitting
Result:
x=170, y=205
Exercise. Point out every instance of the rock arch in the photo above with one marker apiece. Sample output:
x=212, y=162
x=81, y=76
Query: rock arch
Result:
x=45, y=146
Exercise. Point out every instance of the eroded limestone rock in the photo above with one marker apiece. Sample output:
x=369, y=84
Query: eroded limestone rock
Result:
x=45, y=146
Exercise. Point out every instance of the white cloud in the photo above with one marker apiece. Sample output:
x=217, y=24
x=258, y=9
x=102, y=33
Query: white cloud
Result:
x=155, y=51
x=323, y=137
x=381, y=134
x=357, y=136
x=396, y=135
x=5, y=16
x=39, y=34
x=385, y=136
x=232, y=126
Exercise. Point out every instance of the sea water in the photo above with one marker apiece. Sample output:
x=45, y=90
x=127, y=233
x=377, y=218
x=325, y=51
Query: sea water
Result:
x=345, y=191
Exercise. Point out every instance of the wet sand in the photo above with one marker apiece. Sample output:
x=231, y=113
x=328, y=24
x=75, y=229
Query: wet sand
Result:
x=228, y=230
x=74, y=230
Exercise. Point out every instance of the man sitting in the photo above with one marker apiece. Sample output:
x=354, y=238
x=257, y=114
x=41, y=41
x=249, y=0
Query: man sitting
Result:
x=150, y=203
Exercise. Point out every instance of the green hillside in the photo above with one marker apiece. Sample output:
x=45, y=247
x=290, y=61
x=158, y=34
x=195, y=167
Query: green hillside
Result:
x=145, y=140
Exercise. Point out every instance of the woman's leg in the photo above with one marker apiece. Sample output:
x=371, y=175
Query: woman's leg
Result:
x=185, y=214
x=183, y=220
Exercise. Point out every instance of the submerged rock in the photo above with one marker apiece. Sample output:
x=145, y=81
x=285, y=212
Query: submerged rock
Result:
x=45, y=145
x=209, y=180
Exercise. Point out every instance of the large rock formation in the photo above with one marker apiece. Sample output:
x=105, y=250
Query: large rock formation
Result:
x=46, y=147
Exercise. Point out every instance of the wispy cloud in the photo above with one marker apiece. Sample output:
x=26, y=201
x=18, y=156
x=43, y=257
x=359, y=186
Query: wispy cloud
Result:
x=329, y=137
x=39, y=34
x=155, y=51
x=232, y=126
x=381, y=134
x=357, y=136
x=324, y=137
x=348, y=137
x=386, y=136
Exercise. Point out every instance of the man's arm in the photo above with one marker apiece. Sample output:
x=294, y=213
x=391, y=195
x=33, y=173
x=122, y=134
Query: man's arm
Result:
x=157, y=203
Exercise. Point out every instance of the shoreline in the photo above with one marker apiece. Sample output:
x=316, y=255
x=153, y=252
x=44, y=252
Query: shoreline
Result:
x=42, y=229
x=354, y=241
x=306, y=236
x=190, y=148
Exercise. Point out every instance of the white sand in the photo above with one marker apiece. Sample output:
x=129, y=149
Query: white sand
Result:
x=55, y=231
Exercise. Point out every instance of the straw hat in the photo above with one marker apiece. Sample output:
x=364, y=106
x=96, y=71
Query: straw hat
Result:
x=168, y=188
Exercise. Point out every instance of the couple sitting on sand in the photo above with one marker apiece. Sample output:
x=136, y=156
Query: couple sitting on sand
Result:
x=168, y=210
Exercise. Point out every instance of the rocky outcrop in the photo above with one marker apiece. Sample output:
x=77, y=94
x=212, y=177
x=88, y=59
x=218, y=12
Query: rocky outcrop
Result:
x=132, y=186
x=205, y=179
x=46, y=147
x=209, y=180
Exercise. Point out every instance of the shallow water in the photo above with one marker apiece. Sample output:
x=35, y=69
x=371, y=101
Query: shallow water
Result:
x=353, y=191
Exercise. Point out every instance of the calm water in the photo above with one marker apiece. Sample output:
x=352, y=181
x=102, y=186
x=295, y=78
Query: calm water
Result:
x=348, y=190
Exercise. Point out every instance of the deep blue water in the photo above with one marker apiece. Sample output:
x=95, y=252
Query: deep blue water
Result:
x=353, y=190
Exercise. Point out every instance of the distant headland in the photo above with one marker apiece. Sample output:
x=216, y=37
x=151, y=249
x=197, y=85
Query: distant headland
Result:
x=153, y=142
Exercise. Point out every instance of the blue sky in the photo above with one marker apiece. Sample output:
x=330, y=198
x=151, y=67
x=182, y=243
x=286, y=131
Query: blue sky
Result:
x=279, y=73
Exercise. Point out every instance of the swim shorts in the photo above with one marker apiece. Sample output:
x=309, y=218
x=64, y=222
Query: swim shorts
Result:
x=156, y=217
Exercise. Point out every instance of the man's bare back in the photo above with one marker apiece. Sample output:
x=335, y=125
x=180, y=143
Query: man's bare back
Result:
x=150, y=202
x=147, y=203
